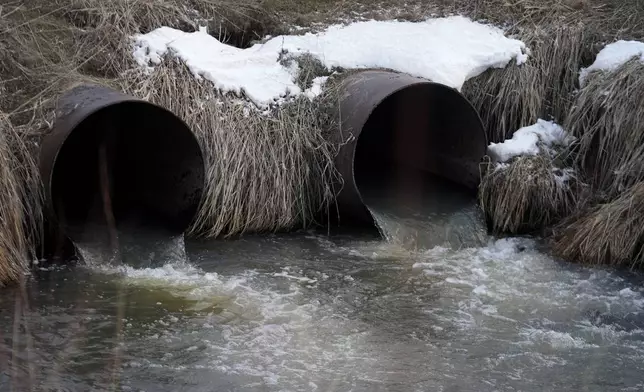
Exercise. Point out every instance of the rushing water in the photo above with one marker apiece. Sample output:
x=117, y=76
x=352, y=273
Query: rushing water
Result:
x=420, y=211
x=307, y=312
x=136, y=245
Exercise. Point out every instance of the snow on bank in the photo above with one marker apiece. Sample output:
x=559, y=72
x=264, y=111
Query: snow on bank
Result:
x=529, y=141
x=445, y=50
x=255, y=71
x=613, y=56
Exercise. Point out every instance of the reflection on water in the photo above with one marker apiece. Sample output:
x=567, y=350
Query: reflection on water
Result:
x=307, y=312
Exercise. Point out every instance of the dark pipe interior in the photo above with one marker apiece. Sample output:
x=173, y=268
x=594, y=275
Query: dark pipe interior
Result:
x=424, y=128
x=156, y=170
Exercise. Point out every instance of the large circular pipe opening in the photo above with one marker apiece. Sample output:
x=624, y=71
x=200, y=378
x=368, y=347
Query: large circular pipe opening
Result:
x=131, y=157
x=422, y=128
x=404, y=128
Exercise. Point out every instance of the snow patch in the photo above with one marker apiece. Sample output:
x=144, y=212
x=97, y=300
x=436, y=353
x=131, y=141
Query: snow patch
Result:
x=613, y=56
x=529, y=141
x=445, y=50
x=255, y=72
x=317, y=87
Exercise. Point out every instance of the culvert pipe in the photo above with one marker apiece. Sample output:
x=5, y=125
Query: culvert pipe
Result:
x=108, y=149
x=389, y=119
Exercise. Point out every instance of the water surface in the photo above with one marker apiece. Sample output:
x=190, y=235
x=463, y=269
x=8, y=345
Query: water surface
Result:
x=309, y=312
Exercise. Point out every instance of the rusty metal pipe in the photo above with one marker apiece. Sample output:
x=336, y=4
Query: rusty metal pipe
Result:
x=153, y=162
x=390, y=120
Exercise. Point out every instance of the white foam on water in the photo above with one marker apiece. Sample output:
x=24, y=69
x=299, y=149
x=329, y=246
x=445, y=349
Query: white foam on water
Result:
x=267, y=332
x=505, y=311
x=509, y=288
x=554, y=339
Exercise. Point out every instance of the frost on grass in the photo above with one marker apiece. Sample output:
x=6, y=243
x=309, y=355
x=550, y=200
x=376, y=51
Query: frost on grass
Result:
x=531, y=140
x=613, y=56
x=444, y=50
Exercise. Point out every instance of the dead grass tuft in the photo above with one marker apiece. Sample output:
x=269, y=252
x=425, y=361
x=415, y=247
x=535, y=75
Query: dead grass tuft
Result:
x=309, y=68
x=608, y=119
x=527, y=195
x=516, y=96
x=19, y=204
x=611, y=233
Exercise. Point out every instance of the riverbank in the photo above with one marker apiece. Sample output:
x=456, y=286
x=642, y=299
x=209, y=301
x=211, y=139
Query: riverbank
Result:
x=278, y=173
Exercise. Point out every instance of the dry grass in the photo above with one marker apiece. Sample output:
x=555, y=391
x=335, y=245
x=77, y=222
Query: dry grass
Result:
x=517, y=96
x=608, y=118
x=563, y=36
x=611, y=233
x=616, y=16
x=45, y=45
x=266, y=172
x=20, y=213
x=527, y=195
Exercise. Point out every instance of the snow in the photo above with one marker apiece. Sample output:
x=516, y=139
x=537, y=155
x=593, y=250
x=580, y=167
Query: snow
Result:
x=255, y=71
x=613, y=56
x=529, y=141
x=445, y=50
x=317, y=87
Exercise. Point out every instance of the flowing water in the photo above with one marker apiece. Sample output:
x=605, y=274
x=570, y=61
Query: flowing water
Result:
x=309, y=312
x=419, y=211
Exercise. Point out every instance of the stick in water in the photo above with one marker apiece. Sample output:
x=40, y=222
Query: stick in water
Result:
x=107, y=200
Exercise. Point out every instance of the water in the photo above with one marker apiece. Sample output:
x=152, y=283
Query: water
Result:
x=137, y=245
x=418, y=211
x=307, y=312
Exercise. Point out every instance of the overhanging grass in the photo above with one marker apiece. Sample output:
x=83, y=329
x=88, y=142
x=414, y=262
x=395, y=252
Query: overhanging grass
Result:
x=610, y=233
x=608, y=119
x=516, y=96
x=20, y=212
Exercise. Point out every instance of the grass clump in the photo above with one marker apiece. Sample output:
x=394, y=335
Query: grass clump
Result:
x=309, y=68
x=527, y=194
x=20, y=213
x=611, y=233
x=608, y=120
x=518, y=95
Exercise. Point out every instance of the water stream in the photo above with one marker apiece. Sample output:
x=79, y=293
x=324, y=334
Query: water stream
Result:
x=420, y=211
x=308, y=312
